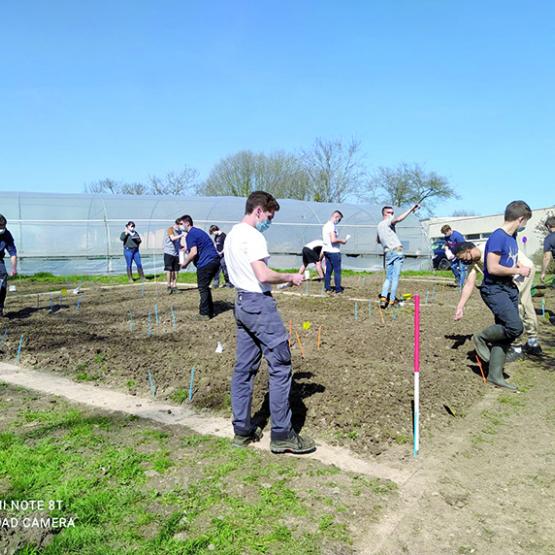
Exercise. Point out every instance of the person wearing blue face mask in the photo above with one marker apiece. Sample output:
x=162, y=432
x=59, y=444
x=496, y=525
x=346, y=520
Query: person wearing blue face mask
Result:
x=260, y=330
x=6, y=244
x=500, y=293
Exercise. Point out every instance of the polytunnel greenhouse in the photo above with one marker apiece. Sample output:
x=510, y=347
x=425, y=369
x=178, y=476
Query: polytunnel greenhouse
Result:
x=79, y=233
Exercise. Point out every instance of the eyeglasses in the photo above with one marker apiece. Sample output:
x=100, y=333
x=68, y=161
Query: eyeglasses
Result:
x=389, y=212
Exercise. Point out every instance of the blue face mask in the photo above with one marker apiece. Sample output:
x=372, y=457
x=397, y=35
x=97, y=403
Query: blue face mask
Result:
x=263, y=226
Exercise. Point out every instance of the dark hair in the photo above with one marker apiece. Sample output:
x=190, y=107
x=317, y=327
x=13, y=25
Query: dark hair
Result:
x=178, y=221
x=260, y=198
x=445, y=229
x=213, y=228
x=462, y=247
x=386, y=208
x=130, y=223
x=517, y=209
x=338, y=212
x=550, y=222
x=3, y=220
x=187, y=220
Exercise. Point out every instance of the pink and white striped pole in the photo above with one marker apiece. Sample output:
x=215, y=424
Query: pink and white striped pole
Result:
x=416, y=445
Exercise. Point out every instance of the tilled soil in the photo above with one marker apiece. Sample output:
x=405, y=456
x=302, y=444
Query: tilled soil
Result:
x=354, y=386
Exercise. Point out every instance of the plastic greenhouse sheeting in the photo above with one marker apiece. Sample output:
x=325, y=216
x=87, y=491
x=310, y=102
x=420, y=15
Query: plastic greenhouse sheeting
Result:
x=79, y=233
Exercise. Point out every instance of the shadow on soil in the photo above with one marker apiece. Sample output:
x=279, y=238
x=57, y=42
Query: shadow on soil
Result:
x=299, y=392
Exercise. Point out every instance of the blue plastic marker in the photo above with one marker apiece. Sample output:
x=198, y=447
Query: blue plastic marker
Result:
x=3, y=337
x=156, y=315
x=78, y=304
x=356, y=311
x=174, y=324
x=151, y=383
x=191, y=383
x=149, y=325
x=51, y=304
x=143, y=289
x=19, y=349
x=543, y=307
x=427, y=295
x=369, y=308
x=131, y=323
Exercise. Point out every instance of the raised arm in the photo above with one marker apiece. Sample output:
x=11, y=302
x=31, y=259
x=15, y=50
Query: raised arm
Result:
x=401, y=217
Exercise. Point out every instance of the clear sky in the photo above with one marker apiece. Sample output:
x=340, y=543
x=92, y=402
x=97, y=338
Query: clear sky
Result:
x=128, y=89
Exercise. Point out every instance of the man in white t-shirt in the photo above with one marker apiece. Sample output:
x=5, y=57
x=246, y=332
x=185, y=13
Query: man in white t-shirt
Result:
x=260, y=330
x=332, y=252
x=313, y=254
x=393, y=253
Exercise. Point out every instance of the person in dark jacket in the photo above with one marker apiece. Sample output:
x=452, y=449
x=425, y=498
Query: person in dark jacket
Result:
x=219, y=240
x=6, y=244
x=204, y=256
x=131, y=241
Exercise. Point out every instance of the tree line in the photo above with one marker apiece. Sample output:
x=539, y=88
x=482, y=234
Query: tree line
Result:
x=331, y=170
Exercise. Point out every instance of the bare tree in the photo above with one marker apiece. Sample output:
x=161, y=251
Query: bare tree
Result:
x=279, y=173
x=180, y=183
x=407, y=184
x=335, y=169
x=103, y=186
x=133, y=189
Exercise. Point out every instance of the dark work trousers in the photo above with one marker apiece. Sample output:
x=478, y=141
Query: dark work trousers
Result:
x=260, y=331
x=204, y=277
x=502, y=300
x=333, y=263
x=3, y=283
x=221, y=269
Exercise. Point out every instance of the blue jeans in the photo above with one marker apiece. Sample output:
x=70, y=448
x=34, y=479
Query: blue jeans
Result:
x=130, y=255
x=393, y=263
x=333, y=263
x=260, y=331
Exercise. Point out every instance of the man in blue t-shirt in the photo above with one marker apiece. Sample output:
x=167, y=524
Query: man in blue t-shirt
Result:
x=203, y=254
x=6, y=244
x=500, y=292
x=548, y=246
x=452, y=240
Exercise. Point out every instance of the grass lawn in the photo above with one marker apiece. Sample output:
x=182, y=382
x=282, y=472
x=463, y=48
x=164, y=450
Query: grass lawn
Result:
x=132, y=486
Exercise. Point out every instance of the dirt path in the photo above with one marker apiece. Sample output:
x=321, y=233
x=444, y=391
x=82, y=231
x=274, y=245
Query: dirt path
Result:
x=165, y=413
x=488, y=487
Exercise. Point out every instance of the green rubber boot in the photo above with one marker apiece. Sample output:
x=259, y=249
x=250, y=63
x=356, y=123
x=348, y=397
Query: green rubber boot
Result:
x=492, y=334
x=495, y=373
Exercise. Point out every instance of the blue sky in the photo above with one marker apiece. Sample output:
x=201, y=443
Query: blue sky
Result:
x=128, y=89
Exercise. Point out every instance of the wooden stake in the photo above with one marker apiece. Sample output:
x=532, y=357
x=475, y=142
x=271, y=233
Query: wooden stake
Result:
x=300, y=343
x=381, y=315
x=290, y=332
x=481, y=369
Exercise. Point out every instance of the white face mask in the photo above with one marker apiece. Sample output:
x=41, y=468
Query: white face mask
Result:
x=2, y=230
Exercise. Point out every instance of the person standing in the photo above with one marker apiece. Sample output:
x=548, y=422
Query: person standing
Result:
x=500, y=292
x=312, y=254
x=548, y=246
x=260, y=330
x=204, y=256
x=172, y=245
x=452, y=239
x=131, y=241
x=219, y=240
x=6, y=244
x=332, y=252
x=393, y=253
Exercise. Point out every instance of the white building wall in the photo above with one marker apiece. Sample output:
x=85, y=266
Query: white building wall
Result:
x=478, y=228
